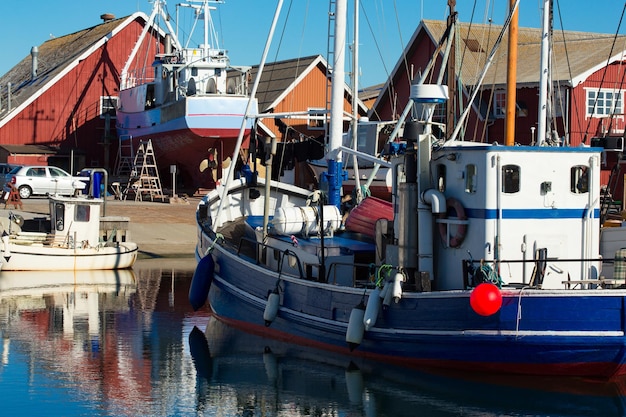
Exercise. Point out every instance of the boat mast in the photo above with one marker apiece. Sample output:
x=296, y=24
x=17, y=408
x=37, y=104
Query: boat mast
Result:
x=543, y=81
x=511, y=79
x=335, y=165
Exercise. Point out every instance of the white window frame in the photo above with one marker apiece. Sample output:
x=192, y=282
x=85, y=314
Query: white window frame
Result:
x=605, y=104
x=104, y=108
x=316, y=118
x=499, y=104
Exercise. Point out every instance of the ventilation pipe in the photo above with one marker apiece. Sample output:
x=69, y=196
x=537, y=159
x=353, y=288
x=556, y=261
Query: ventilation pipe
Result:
x=107, y=17
x=34, y=53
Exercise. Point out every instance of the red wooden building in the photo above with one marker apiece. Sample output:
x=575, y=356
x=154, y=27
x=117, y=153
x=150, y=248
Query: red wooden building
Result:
x=63, y=95
x=588, y=76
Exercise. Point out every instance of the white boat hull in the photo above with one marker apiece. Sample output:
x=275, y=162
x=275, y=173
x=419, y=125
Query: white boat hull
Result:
x=36, y=257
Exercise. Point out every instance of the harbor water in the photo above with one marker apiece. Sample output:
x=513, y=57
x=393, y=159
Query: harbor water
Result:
x=127, y=343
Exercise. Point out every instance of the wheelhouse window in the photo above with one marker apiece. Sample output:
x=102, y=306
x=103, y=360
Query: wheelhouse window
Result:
x=579, y=179
x=316, y=118
x=604, y=102
x=441, y=178
x=470, y=178
x=82, y=213
x=510, y=179
x=108, y=104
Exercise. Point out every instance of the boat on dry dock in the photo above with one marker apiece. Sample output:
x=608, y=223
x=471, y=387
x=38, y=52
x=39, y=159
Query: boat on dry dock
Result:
x=191, y=102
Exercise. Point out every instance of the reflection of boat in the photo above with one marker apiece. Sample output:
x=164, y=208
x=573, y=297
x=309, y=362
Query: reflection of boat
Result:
x=287, y=375
x=533, y=302
x=40, y=283
x=190, y=104
x=79, y=239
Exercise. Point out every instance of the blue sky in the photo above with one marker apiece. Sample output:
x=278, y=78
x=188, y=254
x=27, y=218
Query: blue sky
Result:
x=244, y=25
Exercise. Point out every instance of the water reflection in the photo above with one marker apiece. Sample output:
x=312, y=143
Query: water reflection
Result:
x=126, y=343
x=243, y=374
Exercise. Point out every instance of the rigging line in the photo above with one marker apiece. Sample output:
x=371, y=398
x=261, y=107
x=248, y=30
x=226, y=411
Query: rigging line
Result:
x=263, y=98
x=604, y=72
x=297, y=69
x=404, y=58
x=376, y=43
x=569, y=70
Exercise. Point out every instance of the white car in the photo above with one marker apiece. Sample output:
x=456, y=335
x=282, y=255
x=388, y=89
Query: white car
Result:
x=42, y=180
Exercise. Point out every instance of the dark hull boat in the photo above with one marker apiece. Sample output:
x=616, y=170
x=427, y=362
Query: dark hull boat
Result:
x=491, y=261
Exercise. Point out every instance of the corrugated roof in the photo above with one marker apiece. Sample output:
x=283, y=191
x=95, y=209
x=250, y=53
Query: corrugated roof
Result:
x=55, y=55
x=575, y=54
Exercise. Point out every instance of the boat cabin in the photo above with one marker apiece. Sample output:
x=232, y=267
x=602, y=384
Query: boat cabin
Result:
x=516, y=206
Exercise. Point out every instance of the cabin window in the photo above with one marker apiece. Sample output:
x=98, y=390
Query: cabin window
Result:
x=59, y=216
x=82, y=213
x=194, y=72
x=441, y=177
x=470, y=178
x=579, y=179
x=316, y=118
x=510, y=179
x=604, y=102
x=108, y=104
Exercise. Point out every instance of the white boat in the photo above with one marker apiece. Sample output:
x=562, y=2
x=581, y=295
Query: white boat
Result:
x=79, y=238
x=493, y=260
x=190, y=103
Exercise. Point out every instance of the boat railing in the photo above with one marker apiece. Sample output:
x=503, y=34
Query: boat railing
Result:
x=259, y=252
x=136, y=77
x=476, y=271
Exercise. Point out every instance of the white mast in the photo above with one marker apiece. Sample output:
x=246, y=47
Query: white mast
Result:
x=336, y=106
x=543, y=81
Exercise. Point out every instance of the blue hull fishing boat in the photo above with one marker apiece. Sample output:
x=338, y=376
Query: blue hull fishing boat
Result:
x=490, y=261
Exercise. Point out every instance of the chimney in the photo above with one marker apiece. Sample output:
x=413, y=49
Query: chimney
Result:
x=106, y=17
x=34, y=53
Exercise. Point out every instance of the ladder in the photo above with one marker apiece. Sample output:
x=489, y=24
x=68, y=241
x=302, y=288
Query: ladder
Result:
x=125, y=157
x=144, y=176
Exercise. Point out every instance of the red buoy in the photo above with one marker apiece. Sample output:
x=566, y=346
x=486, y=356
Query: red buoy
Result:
x=486, y=299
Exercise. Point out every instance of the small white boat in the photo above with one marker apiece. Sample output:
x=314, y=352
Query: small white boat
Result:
x=79, y=239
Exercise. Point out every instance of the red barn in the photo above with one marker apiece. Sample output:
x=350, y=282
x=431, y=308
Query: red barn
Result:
x=63, y=96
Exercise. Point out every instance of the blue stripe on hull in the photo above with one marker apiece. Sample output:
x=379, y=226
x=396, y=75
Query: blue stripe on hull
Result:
x=529, y=214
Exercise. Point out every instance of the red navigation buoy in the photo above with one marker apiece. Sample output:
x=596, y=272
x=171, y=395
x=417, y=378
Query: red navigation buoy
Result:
x=486, y=299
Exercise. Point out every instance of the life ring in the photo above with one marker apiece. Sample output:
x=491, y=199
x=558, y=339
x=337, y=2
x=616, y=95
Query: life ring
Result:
x=461, y=230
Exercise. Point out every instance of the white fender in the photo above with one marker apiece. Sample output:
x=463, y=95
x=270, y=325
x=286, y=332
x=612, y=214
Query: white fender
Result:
x=397, y=287
x=371, y=311
x=356, y=328
x=271, y=308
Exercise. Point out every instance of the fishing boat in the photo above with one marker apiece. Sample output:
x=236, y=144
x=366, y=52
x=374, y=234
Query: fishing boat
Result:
x=76, y=237
x=493, y=259
x=190, y=103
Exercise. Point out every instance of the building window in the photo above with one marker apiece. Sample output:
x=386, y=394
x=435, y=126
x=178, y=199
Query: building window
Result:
x=510, y=179
x=108, y=104
x=499, y=103
x=317, y=117
x=601, y=103
x=470, y=178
